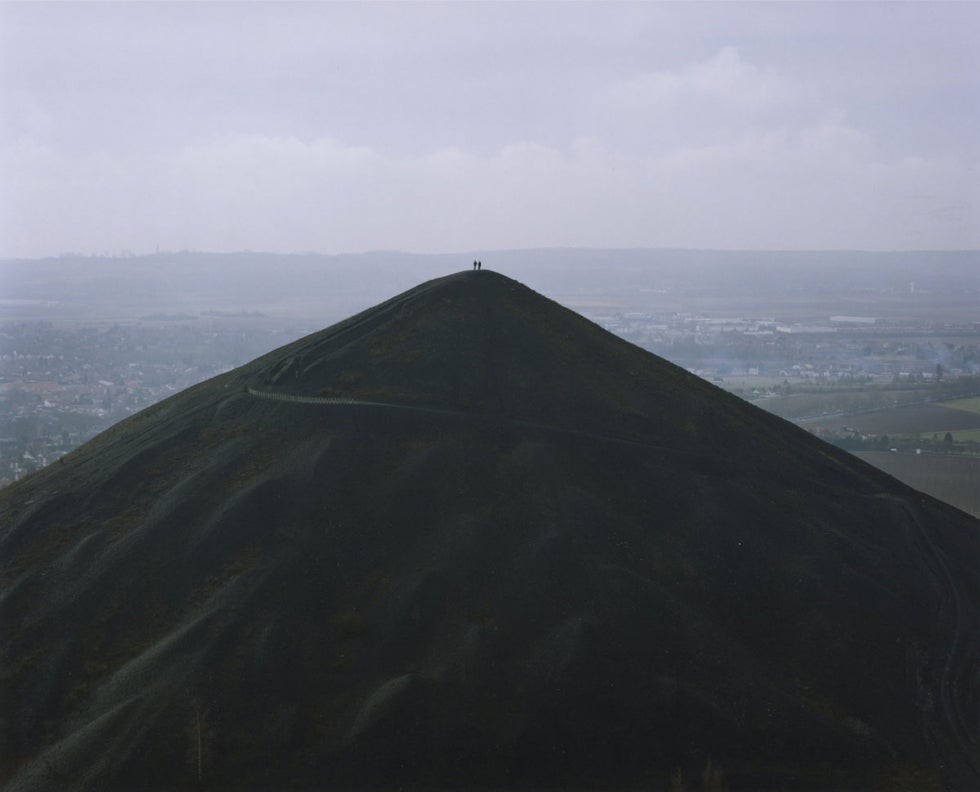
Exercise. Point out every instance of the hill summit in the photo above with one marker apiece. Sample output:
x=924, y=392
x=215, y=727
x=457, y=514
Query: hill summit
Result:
x=467, y=538
x=483, y=343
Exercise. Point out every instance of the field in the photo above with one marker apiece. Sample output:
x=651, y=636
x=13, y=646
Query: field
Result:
x=921, y=420
x=954, y=479
x=965, y=435
x=840, y=415
x=871, y=411
x=971, y=404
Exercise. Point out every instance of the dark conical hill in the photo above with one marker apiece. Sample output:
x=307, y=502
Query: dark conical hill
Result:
x=527, y=554
x=478, y=341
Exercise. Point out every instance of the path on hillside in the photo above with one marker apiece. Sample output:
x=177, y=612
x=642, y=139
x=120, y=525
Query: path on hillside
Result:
x=348, y=401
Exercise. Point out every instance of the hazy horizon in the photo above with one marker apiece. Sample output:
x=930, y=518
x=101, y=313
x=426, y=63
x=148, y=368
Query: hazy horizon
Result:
x=463, y=254
x=448, y=127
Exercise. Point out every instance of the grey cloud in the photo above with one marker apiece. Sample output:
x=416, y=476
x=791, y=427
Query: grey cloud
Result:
x=449, y=126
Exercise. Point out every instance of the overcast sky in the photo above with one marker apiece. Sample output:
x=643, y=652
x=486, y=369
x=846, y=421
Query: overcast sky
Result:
x=462, y=126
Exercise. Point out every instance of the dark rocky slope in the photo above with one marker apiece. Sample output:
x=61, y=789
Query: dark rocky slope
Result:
x=539, y=557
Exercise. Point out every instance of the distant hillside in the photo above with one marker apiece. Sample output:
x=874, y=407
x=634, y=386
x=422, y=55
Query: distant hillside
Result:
x=468, y=539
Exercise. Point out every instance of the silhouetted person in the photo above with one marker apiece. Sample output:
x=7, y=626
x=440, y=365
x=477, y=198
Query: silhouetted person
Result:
x=479, y=265
x=475, y=263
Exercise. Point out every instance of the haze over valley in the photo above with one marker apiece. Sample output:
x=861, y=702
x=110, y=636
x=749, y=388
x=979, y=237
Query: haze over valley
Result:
x=835, y=341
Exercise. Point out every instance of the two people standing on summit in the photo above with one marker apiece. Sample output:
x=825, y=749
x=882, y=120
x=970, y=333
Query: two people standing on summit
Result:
x=477, y=265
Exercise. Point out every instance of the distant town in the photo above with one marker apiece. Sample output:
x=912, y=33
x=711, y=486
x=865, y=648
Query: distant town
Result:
x=62, y=384
x=843, y=348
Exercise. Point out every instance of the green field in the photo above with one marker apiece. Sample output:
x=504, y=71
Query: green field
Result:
x=959, y=435
x=971, y=404
x=886, y=412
